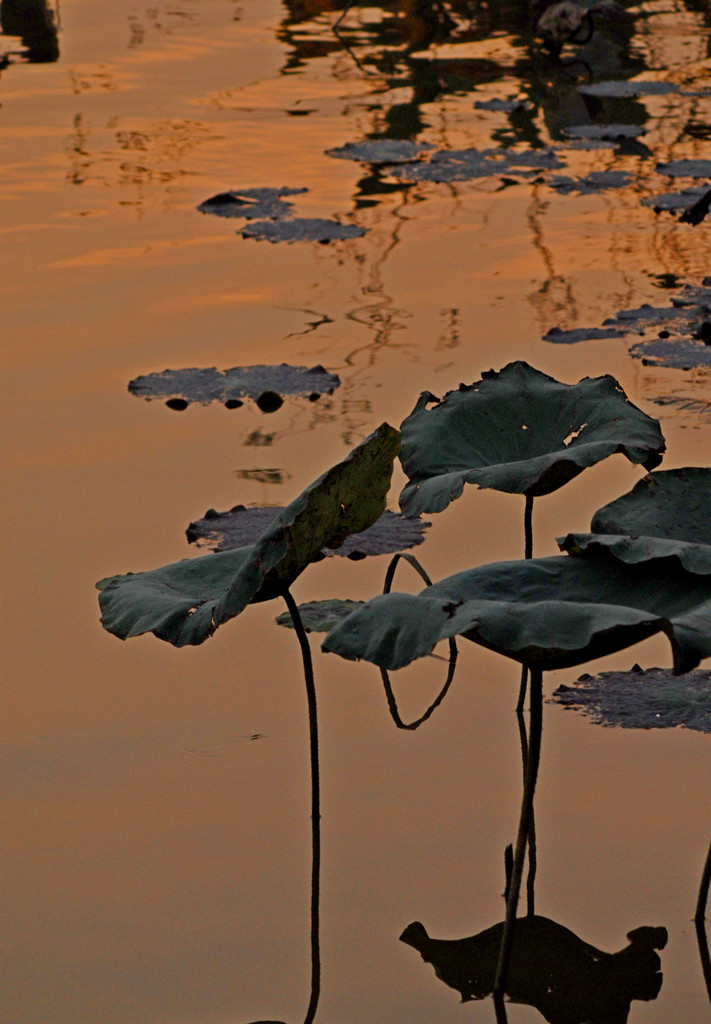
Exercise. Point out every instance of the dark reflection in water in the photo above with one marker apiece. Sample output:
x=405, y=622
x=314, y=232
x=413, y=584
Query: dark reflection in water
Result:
x=36, y=23
x=552, y=969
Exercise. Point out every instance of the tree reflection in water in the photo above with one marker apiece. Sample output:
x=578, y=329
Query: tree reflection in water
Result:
x=36, y=24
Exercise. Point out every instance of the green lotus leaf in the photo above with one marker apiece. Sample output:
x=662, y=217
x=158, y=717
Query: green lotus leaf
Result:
x=665, y=515
x=519, y=431
x=184, y=603
x=545, y=612
x=671, y=503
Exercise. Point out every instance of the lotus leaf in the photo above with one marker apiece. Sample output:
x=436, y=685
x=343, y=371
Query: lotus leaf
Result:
x=520, y=431
x=544, y=612
x=184, y=603
x=670, y=503
x=665, y=515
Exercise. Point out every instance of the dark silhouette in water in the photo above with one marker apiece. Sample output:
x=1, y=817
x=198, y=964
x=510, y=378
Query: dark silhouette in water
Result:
x=565, y=979
x=34, y=22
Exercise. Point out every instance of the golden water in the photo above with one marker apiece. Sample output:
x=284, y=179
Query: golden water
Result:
x=156, y=853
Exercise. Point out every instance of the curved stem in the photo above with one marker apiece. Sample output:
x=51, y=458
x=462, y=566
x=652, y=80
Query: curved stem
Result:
x=392, y=702
x=315, y=806
x=528, y=553
x=532, y=762
x=390, y=574
x=704, y=889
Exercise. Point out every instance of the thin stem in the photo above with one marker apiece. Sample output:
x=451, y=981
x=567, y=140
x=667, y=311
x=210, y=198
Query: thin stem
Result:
x=315, y=806
x=704, y=889
x=389, y=694
x=528, y=527
x=532, y=855
x=528, y=553
x=529, y=788
x=704, y=953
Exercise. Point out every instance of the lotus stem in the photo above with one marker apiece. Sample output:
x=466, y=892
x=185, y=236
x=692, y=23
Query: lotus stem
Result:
x=528, y=553
x=704, y=889
x=315, y=806
x=704, y=953
x=532, y=855
x=529, y=788
x=390, y=695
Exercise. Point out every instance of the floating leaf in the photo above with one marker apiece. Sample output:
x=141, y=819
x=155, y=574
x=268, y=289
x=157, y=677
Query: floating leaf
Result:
x=628, y=89
x=467, y=164
x=180, y=387
x=557, y=336
x=184, y=603
x=677, y=354
x=320, y=616
x=520, y=431
x=301, y=229
x=546, y=612
x=674, y=200
x=604, y=131
x=596, y=181
x=380, y=151
x=223, y=531
x=503, y=106
x=685, y=168
x=651, y=699
x=251, y=203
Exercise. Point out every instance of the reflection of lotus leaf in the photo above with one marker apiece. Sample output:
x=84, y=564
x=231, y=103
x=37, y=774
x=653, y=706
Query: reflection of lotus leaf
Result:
x=184, y=603
x=518, y=431
x=651, y=699
x=565, y=978
x=222, y=531
x=544, y=612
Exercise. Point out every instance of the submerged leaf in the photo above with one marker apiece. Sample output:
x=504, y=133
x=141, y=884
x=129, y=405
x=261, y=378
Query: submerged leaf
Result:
x=222, y=531
x=652, y=699
x=546, y=612
x=518, y=431
x=184, y=603
x=231, y=386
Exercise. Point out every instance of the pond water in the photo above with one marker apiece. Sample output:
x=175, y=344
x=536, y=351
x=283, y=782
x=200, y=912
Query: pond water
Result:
x=156, y=826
